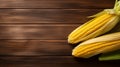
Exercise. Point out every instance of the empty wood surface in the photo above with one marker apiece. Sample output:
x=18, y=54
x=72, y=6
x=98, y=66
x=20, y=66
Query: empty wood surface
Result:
x=46, y=15
x=33, y=33
x=56, y=3
x=36, y=31
x=35, y=47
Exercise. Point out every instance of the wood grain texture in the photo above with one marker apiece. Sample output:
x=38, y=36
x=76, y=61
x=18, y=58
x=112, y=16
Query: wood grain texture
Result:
x=46, y=15
x=35, y=47
x=56, y=3
x=55, y=61
x=33, y=33
x=36, y=31
x=82, y=64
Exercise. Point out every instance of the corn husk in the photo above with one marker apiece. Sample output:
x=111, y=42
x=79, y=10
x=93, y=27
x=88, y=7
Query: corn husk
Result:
x=102, y=22
x=115, y=55
x=102, y=44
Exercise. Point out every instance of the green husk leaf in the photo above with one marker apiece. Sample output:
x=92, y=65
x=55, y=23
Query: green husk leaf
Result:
x=115, y=55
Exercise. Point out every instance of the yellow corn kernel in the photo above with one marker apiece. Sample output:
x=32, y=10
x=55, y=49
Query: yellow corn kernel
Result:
x=102, y=44
x=102, y=23
x=93, y=28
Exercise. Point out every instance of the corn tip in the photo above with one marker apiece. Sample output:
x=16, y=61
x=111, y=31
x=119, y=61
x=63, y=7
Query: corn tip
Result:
x=74, y=53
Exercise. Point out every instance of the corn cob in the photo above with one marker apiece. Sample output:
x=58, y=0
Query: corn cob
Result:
x=102, y=44
x=100, y=24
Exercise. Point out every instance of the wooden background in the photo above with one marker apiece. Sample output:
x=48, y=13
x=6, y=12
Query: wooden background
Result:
x=33, y=33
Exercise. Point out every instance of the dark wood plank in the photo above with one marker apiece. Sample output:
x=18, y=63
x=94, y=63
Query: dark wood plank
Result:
x=34, y=35
x=36, y=31
x=40, y=59
x=46, y=15
x=58, y=65
x=56, y=3
x=54, y=61
x=34, y=47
